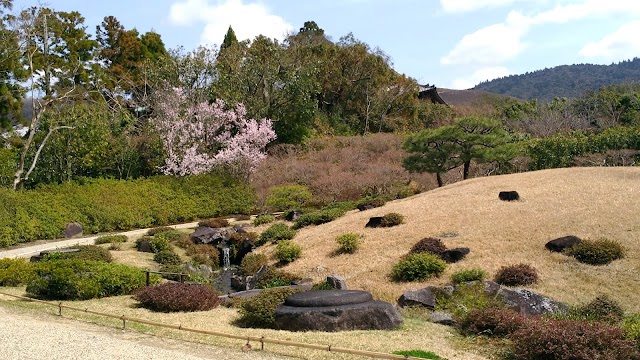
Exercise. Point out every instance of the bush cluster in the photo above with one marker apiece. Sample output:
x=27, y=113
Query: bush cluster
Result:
x=204, y=254
x=156, y=243
x=430, y=245
x=318, y=217
x=174, y=297
x=259, y=311
x=602, y=308
x=263, y=219
x=287, y=251
x=283, y=198
x=74, y=279
x=214, y=223
x=468, y=275
x=111, y=239
x=417, y=267
x=106, y=205
x=86, y=252
x=276, y=233
x=369, y=202
x=167, y=257
x=492, y=322
x=466, y=298
x=516, y=275
x=419, y=354
x=15, y=272
x=392, y=219
x=275, y=277
x=349, y=243
x=159, y=229
x=169, y=235
x=596, y=252
x=252, y=262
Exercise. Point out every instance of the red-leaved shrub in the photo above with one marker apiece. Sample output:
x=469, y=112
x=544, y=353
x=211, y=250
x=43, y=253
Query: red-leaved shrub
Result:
x=430, y=245
x=516, y=275
x=173, y=297
x=492, y=322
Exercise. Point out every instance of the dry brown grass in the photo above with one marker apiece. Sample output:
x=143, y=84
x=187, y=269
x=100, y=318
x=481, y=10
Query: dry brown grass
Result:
x=587, y=202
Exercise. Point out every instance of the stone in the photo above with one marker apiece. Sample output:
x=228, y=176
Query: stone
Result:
x=336, y=310
x=189, y=267
x=144, y=246
x=425, y=297
x=529, y=303
x=442, y=318
x=293, y=215
x=73, y=229
x=374, y=222
x=205, y=270
x=562, y=243
x=252, y=281
x=455, y=255
x=491, y=287
x=207, y=235
x=365, y=206
x=509, y=196
x=337, y=282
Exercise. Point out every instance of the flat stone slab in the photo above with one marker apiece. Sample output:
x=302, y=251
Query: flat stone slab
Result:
x=324, y=298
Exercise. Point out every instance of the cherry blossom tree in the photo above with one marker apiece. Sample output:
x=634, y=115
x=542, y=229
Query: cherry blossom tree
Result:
x=198, y=135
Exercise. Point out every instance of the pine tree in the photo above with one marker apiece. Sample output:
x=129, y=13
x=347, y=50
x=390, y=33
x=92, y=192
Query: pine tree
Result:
x=229, y=39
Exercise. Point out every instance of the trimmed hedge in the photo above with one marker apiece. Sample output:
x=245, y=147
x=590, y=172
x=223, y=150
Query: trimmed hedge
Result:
x=174, y=297
x=318, y=217
x=83, y=280
x=15, y=272
x=106, y=205
x=596, y=252
x=276, y=233
x=259, y=311
x=418, y=267
x=111, y=239
x=87, y=253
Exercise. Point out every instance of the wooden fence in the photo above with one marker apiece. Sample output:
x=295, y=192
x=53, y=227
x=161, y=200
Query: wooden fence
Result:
x=262, y=340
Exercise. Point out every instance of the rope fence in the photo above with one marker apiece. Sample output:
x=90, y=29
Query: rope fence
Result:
x=262, y=340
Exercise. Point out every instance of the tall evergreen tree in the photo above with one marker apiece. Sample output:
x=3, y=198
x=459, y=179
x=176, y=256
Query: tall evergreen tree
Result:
x=230, y=39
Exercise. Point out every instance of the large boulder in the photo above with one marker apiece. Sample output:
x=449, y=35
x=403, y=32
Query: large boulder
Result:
x=562, y=243
x=207, y=235
x=72, y=230
x=337, y=282
x=425, y=297
x=336, y=310
x=526, y=302
x=455, y=255
x=374, y=222
x=509, y=196
x=293, y=215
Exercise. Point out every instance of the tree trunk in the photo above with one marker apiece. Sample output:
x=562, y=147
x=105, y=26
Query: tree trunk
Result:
x=439, y=178
x=465, y=170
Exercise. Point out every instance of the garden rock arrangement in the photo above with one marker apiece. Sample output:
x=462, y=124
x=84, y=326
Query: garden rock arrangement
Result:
x=336, y=310
x=509, y=196
x=562, y=243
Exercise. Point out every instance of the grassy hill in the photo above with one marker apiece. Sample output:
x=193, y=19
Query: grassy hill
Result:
x=588, y=202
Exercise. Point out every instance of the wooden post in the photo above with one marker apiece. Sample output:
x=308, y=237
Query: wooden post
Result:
x=148, y=281
x=181, y=278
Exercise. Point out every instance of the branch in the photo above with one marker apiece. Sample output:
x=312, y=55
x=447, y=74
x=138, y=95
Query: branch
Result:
x=35, y=158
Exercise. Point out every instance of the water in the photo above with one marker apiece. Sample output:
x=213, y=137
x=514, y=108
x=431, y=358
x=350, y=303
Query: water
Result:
x=226, y=262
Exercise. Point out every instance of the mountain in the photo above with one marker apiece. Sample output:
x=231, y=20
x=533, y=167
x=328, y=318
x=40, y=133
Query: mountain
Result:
x=563, y=81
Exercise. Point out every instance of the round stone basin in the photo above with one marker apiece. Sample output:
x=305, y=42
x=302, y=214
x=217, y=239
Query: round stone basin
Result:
x=323, y=298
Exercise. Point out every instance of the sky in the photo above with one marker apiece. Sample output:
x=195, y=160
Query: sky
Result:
x=448, y=43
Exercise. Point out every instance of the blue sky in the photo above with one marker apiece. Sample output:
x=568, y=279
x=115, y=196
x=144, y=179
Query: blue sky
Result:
x=449, y=43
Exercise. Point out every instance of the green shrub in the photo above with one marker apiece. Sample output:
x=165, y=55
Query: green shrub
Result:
x=570, y=339
x=111, y=239
x=349, y=243
x=492, y=322
x=276, y=277
x=602, y=308
x=87, y=252
x=392, y=219
x=167, y=257
x=73, y=279
x=322, y=285
x=631, y=326
x=252, y=262
x=468, y=275
x=263, y=219
x=282, y=198
x=287, y=251
x=369, y=202
x=214, y=223
x=465, y=298
x=419, y=354
x=170, y=235
x=259, y=311
x=156, y=243
x=417, y=267
x=183, y=242
x=276, y=233
x=318, y=217
x=516, y=275
x=204, y=254
x=159, y=229
x=174, y=297
x=597, y=252
x=15, y=272
x=429, y=245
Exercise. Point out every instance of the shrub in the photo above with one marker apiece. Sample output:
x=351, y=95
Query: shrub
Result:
x=318, y=217
x=171, y=235
x=214, y=223
x=282, y=198
x=204, y=254
x=159, y=229
x=111, y=239
x=465, y=298
x=73, y=279
x=419, y=354
x=493, y=322
x=602, y=308
x=570, y=339
x=168, y=271
x=15, y=272
x=349, y=243
x=370, y=203
x=87, y=252
x=392, y=219
x=429, y=245
x=516, y=275
x=259, y=311
x=287, y=251
x=252, y=262
x=115, y=247
x=276, y=277
x=275, y=233
x=156, y=244
x=468, y=275
x=597, y=252
x=174, y=297
x=184, y=242
x=167, y=257
x=417, y=267
x=322, y=285
x=263, y=219
x=631, y=326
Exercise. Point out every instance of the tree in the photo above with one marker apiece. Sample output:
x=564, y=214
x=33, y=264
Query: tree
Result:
x=230, y=39
x=11, y=73
x=198, y=136
x=442, y=149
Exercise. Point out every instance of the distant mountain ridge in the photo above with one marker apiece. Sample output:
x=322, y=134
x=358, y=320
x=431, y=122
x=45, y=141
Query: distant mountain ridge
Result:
x=564, y=81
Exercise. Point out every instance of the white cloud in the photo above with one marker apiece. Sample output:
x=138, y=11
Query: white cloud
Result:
x=247, y=19
x=483, y=74
x=624, y=43
x=457, y=6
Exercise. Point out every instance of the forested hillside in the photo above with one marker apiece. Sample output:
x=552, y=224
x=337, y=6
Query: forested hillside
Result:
x=563, y=81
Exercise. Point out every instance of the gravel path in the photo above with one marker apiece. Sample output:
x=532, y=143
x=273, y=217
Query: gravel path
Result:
x=33, y=337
